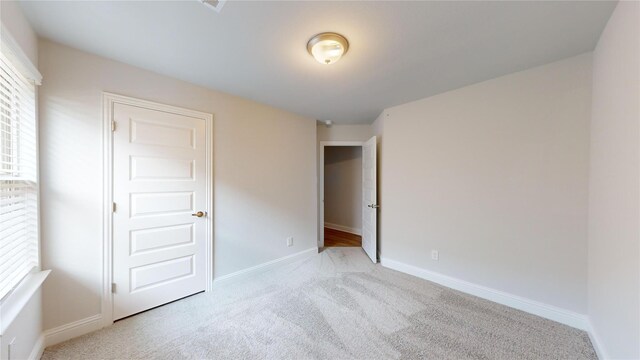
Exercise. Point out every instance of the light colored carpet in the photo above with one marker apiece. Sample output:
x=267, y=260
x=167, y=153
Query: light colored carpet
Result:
x=336, y=305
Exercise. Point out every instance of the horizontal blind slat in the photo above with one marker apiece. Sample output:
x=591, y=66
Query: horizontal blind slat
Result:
x=14, y=279
x=18, y=175
x=14, y=256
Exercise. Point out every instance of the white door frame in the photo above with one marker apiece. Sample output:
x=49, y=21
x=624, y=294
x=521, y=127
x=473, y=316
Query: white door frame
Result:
x=109, y=100
x=324, y=144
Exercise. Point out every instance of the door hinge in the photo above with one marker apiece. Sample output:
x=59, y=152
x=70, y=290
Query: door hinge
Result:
x=113, y=207
x=113, y=125
x=113, y=288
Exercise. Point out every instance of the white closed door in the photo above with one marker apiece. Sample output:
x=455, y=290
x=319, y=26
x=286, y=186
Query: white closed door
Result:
x=369, y=200
x=159, y=183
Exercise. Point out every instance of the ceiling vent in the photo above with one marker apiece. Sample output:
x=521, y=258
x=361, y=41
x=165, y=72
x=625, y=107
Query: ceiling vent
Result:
x=214, y=4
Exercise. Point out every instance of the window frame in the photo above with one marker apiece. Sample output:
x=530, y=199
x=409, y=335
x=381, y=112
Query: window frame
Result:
x=19, y=178
x=19, y=296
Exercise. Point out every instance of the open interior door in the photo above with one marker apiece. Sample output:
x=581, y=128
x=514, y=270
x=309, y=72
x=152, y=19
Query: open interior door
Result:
x=369, y=200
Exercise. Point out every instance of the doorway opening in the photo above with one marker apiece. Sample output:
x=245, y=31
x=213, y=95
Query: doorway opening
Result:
x=343, y=196
x=348, y=195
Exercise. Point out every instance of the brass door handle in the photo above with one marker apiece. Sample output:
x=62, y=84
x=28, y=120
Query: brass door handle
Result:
x=199, y=214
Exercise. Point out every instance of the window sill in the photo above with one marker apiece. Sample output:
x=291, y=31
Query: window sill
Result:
x=13, y=304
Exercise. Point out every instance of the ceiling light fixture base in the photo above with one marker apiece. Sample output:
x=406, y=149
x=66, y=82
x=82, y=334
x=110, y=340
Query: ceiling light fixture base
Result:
x=328, y=47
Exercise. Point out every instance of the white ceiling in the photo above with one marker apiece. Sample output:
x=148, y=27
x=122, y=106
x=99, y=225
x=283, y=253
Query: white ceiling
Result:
x=399, y=51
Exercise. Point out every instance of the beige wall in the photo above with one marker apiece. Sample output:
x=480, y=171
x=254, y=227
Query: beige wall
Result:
x=344, y=132
x=494, y=176
x=343, y=188
x=263, y=164
x=614, y=191
x=14, y=21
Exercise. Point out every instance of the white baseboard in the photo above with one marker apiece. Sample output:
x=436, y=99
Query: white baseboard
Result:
x=38, y=349
x=597, y=343
x=72, y=330
x=550, y=312
x=258, y=269
x=343, y=228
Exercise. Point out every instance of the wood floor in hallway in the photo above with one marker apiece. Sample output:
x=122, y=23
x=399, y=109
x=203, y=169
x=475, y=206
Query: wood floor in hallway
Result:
x=333, y=238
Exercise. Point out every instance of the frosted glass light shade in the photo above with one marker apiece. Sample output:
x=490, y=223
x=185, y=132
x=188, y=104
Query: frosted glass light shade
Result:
x=327, y=48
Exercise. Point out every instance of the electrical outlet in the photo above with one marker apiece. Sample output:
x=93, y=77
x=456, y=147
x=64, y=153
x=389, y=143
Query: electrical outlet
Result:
x=290, y=241
x=435, y=255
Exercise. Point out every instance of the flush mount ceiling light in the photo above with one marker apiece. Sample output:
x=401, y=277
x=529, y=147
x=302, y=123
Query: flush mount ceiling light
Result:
x=214, y=4
x=327, y=47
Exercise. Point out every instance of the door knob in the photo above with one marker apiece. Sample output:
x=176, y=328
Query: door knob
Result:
x=373, y=206
x=199, y=214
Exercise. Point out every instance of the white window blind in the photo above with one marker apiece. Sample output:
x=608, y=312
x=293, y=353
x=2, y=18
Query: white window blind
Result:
x=18, y=177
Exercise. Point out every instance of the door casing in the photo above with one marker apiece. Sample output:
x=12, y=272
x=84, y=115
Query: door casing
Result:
x=109, y=99
x=324, y=144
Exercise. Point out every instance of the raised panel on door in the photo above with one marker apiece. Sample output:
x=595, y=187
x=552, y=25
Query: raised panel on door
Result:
x=159, y=181
x=161, y=272
x=160, y=238
x=158, y=168
x=150, y=203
